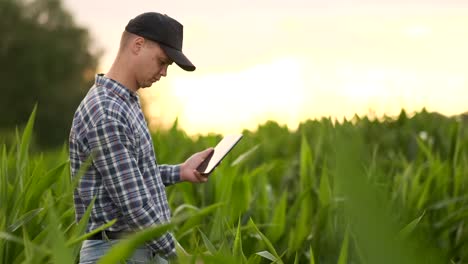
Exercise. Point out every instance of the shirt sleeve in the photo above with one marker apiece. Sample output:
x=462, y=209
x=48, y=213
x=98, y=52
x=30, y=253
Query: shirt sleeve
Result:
x=113, y=157
x=170, y=174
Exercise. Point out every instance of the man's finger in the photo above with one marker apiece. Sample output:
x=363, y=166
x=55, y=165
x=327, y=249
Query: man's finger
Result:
x=197, y=175
x=206, y=152
x=200, y=177
x=204, y=177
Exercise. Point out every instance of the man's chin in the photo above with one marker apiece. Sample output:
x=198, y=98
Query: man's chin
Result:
x=148, y=86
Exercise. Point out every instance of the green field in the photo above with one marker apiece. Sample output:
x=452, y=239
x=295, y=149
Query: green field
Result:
x=358, y=191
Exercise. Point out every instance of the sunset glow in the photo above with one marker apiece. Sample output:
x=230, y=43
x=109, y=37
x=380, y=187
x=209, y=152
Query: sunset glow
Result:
x=300, y=60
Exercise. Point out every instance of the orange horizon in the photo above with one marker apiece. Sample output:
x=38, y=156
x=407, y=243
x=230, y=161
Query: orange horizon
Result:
x=310, y=62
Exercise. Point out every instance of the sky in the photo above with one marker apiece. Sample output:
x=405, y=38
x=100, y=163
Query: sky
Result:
x=295, y=60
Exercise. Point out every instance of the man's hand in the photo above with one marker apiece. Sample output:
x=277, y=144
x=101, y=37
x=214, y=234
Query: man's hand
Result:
x=188, y=169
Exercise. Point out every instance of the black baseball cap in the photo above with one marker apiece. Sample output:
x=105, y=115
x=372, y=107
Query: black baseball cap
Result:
x=164, y=30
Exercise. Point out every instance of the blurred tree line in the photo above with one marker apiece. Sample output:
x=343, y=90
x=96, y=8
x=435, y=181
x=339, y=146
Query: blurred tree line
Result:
x=45, y=58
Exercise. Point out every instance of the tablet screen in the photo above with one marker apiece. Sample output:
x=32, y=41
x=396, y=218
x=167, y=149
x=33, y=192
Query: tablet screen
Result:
x=220, y=151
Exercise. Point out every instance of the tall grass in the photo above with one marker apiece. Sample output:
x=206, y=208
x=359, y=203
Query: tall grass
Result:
x=358, y=191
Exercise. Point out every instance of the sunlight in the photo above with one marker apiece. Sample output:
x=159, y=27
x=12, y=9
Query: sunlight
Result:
x=417, y=31
x=225, y=102
x=334, y=64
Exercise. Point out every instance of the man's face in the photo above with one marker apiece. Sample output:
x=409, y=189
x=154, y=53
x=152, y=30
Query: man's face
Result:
x=153, y=64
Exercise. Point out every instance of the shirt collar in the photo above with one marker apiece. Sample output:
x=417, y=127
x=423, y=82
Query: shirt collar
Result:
x=115, y=87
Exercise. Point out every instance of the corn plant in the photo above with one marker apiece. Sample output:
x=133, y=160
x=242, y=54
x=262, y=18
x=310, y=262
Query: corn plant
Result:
x=358, y=191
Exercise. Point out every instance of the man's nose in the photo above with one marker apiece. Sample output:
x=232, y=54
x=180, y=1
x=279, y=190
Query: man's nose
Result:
x=164, y=71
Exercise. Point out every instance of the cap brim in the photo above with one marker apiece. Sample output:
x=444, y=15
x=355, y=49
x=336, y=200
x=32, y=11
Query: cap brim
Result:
x=178, y=57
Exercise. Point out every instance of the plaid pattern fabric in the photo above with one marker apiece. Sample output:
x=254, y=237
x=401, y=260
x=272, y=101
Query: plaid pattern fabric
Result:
x=124, y=175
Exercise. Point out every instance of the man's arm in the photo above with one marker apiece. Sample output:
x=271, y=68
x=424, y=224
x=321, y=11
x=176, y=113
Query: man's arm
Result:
x=170, y=174
x=186, y=171
x=113, y=158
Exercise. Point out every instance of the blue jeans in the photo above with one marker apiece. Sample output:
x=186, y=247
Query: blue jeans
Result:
x=92, y=250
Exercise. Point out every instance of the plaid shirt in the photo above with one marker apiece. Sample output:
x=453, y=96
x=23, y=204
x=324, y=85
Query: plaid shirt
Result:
x=124, y=175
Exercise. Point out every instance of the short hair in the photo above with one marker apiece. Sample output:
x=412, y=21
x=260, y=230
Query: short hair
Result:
x=127, y=37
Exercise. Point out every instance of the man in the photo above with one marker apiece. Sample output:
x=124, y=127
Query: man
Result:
x=109, y=127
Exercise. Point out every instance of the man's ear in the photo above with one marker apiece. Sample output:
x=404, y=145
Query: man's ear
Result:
x=137, y=45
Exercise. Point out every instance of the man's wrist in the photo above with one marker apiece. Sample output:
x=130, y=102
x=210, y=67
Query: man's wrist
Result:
x=181, y=168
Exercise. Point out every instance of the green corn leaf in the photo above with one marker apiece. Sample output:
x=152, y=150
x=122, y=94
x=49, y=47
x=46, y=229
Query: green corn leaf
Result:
x=25, y=141
x=324, y=189
x=278, y=222
x=193, y=221
x=343, y=259
x=311, y=254
x=60, y=253
x=424, y=196
x=28, y=247
x=237, y=247
x=267, y=255
x=46, y=181
x=83, y=223
x=267, y=242
x=10, y=237
x=254, y=259
x=24, y=219
x=207, y=242
x=125, y=248
x=296, y=259
x=245, y=155
x=79, y=239
x=306, y=165
x=408, y=229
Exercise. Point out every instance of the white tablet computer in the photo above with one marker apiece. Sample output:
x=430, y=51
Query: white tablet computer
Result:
x=220, y=151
